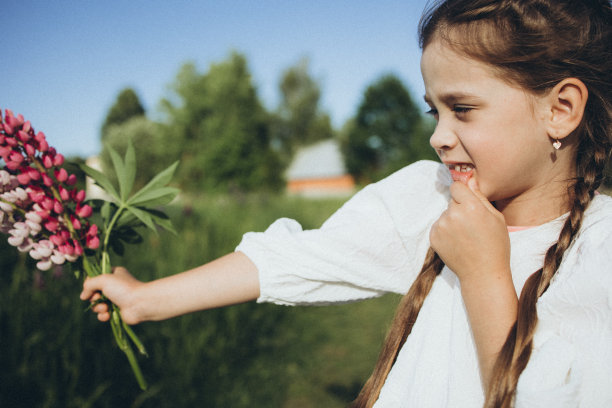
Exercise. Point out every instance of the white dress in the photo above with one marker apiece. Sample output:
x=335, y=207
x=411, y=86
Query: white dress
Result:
x=376, y=243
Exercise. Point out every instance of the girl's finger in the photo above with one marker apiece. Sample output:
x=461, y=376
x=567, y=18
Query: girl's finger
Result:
x=473, y=186
x=91, y=286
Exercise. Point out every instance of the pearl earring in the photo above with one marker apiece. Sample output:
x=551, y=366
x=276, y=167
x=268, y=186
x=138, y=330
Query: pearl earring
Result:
x=557, y=144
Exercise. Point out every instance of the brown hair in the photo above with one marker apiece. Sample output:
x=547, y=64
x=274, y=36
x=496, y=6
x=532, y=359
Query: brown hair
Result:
x=535, y=44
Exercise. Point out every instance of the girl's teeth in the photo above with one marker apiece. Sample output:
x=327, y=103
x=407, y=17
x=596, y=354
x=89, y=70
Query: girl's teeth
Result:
x=464, y=168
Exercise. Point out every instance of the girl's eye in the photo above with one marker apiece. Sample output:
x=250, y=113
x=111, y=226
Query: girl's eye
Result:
x=461, y=110
x=432, y=112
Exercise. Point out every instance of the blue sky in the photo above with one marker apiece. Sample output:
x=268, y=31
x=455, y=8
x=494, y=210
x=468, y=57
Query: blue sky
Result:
x=64, y=62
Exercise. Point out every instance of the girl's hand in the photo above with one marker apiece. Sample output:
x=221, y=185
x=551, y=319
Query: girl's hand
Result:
x=471, y=236
x=120, y=288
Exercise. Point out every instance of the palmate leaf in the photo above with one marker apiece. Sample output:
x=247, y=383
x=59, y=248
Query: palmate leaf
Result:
x=101, y=180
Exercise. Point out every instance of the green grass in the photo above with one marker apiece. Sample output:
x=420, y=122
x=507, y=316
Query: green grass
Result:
x=57, y=355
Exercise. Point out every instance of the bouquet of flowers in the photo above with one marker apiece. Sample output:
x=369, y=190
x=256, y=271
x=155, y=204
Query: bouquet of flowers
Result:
x=47, y=217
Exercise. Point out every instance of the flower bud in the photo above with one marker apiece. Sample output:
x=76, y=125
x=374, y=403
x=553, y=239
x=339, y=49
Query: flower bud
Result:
x=58, y=258
x=30, y=150
x=44, y=265
x=92, y=231
x=47, y=181
x=7, y=129
x=78, y=249
x=58, y=207
x=47, y=203
x=61, y=175
x=23, y=136
x=58, y=159
x=51, y=224
x=6, y=207
x=93, y=242
x=33, y=173
x=83, y=211
x=56, y=240
x=15, y=241
x=76, y=223
x=47, y=161
x=27, y=126
x=71, y=181
x=33, y=216
x=43, y=146
x=80, y=196
x=36, y=194
x=21, y=194
x=23, y=178
x=64, y=194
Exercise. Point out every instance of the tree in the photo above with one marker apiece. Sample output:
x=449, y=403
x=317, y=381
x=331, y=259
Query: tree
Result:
x=222, y=129
x=387, y=133
x=299, y=120
x=125, y=107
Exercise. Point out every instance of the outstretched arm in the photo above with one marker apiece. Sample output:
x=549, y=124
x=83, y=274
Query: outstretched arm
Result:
x=228, y=280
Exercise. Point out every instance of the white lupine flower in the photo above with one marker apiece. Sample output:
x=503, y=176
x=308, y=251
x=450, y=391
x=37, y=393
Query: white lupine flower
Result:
x=21, y=194
x=34, y=227
x=15, y=241
x=42, y=249
x=58, y=258
x=32, y=216
x=9, y=196
x=6, y=207
x=5, y=178
x=44, y=265
x=26, y=245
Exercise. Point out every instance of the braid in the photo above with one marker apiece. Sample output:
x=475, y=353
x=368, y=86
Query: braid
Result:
x=516, y=351
x=405, y=317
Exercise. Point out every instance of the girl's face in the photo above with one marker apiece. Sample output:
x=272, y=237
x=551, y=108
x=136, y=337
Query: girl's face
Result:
x=488, y=129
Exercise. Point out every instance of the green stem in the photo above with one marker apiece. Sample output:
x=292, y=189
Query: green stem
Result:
x=118, y=327
x=107, y=234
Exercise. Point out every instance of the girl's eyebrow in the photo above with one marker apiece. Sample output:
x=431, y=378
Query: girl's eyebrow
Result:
x=451, y=98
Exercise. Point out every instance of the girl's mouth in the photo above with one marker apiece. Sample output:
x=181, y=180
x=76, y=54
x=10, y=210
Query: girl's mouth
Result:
x=461, y=172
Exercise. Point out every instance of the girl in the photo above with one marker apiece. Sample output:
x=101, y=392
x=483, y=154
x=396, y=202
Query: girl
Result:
x=521, y=93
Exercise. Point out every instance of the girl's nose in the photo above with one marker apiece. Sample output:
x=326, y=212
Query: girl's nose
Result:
x=442, y=139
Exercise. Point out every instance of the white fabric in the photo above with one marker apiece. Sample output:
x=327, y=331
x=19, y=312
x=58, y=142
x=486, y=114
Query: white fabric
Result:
x=376, y=243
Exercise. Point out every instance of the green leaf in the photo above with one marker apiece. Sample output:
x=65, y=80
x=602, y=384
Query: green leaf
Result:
x=160, y=180
x=101, y=180
x=130, y=169
x=161, y=218
x=143, y=216
x=105, y=212
x=158, y=196
x=120, y=171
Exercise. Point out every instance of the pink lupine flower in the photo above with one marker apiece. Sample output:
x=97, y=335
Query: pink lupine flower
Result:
x=61, y=175
x=84, y=211
x=93, y=242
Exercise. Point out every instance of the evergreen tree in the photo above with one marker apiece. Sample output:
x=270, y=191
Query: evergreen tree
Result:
x=299, y=120
x=125, y=107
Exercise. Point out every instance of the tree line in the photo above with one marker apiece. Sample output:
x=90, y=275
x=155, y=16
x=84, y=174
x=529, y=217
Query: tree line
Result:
x=226, y=140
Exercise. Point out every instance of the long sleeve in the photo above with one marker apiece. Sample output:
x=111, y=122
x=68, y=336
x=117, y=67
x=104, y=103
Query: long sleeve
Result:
x=375, y=243
x=571, y=362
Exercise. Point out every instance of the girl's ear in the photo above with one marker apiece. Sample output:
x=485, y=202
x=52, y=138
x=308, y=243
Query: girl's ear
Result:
x=567, y=101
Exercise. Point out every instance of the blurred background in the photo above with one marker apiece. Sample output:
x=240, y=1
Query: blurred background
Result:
x=274, y=109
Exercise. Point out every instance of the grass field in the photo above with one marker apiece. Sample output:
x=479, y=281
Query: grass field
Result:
x=57, y=355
